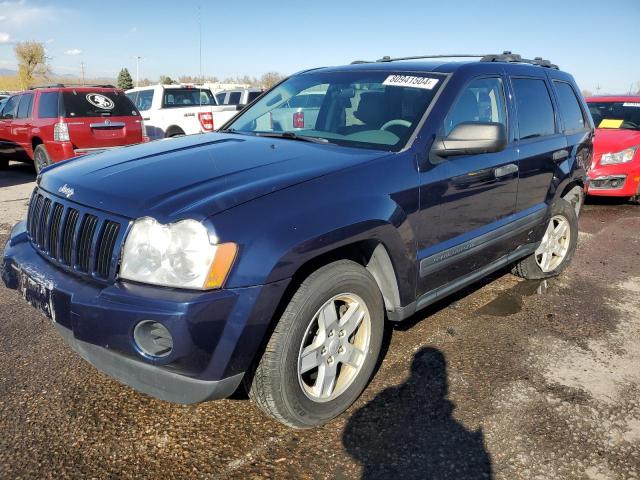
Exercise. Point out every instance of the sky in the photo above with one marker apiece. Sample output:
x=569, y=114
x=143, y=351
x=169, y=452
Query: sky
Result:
x=596, y=41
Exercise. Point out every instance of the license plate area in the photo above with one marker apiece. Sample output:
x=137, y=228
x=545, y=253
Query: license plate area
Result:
x=38, y=293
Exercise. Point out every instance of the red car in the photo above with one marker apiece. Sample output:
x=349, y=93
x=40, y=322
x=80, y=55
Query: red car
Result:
x=51, y=124
x=616, y=158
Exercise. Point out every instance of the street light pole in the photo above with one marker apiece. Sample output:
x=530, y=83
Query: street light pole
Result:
x=138, y=58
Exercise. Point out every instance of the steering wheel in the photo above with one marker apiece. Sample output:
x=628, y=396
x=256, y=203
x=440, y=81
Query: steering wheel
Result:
x=397, y=121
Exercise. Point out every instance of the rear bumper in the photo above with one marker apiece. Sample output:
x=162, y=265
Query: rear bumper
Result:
x=60, y=151
x=216, y=334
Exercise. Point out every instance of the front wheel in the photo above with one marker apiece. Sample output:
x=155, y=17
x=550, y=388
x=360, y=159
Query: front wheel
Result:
x=557, y=247
x=324, y=348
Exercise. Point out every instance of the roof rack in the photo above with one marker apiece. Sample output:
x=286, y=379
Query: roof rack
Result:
x=67, y=85
x=505, y=56
x=509, y=57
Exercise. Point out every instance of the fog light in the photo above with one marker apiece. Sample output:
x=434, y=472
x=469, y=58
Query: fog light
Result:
x=153, y=338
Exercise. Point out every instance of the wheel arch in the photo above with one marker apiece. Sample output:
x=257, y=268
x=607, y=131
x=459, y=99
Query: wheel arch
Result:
x=174, y=130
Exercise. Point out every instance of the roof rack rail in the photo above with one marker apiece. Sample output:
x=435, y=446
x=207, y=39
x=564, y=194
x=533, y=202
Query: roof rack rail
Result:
x=505, y=56
x=387, y=58
x=69, y=85
x=510, y=57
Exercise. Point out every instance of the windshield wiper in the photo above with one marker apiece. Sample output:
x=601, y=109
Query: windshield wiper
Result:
x=293, y=136
x=233, y=130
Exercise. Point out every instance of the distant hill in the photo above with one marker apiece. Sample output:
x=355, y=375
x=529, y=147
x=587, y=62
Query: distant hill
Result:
x=8, y=71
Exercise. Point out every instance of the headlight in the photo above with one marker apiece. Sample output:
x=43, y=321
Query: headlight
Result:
x=624, y=156
x=175, y=255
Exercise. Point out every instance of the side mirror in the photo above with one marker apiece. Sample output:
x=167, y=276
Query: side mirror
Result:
x=469, y=138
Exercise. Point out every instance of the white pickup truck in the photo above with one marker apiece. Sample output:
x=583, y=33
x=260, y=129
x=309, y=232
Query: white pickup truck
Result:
x=174, y=110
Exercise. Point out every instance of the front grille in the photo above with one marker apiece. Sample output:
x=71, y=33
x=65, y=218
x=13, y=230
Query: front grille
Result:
x=73, y=237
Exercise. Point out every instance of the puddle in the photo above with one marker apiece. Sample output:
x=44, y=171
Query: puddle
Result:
x=510, y=302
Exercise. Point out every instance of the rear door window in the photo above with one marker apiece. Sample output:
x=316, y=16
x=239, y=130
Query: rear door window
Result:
x=143, y=99
x=187, y=97
x=570, y=110
x=9, y=110
x=535, y=110
x=97, y=104
x=24, y=108
x=220, y=98
x=253, y=96
x=48, y=106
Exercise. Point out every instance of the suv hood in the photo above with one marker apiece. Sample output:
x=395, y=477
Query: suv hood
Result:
x=196, y=176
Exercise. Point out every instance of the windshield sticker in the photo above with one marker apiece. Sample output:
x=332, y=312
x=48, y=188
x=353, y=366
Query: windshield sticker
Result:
x=100, y=101
x=631, y=104
x=610, y=123
x=411, y=81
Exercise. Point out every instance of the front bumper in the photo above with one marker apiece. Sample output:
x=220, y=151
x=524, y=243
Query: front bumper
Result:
x=614, y=180
x=216, y=334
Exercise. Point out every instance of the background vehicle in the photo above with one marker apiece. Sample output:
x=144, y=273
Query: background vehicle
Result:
x=274, y=257
x=240, y=96
x=616, y=161
x=175, y=110
x=299, y=112
x=51, y=124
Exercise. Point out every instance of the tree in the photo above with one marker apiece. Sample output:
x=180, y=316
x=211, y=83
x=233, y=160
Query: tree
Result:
x=587, y=93
x=166, y=80
x=125, y=82
x=269, y=79
x=31, y=61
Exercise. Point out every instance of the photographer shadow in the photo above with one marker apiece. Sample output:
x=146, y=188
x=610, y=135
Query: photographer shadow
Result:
x=409, y=432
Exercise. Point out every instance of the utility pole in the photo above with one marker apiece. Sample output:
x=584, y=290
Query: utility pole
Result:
x=200, y=37
x=138, y=58
x=82, y=67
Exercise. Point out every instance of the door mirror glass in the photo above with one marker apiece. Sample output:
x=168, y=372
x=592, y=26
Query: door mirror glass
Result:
x=472, y=138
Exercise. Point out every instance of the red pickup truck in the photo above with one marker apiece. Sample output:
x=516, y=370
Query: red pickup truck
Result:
x=51, y=124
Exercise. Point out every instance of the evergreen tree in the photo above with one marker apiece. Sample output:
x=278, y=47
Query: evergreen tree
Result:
x=125, y=82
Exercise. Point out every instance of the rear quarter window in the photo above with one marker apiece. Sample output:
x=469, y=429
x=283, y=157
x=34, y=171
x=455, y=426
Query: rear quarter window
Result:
x=234, y=98
x=78, y=104
x=24, y=108
x=535, y=110
x=48, y=105
x=570, y=110
x=186, y=97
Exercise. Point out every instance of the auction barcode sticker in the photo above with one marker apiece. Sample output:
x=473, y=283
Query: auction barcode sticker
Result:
x=411, y=81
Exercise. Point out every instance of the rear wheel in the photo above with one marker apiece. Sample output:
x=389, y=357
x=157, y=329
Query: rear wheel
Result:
x=4, y=163
x=41, y=158
x=323, y=349
x=557, y=247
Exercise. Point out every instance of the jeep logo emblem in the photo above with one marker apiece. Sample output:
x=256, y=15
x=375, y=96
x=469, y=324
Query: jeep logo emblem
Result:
x=66, y=190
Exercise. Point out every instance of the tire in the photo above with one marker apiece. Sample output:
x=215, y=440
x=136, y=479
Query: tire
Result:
x=4, y=163
x=175, y=132
x=41, y=158
x=533, y=266
x=280, y=387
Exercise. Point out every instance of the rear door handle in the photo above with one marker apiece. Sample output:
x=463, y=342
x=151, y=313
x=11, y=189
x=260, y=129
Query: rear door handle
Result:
x=560, y=155
x=505, y=170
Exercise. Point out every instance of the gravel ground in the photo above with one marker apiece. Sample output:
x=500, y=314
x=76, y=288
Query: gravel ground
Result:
x=508, y=380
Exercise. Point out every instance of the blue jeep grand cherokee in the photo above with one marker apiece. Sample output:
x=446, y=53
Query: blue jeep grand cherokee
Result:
x=182, y=267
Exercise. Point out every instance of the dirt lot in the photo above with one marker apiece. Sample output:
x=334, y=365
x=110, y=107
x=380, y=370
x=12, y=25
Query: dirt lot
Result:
x=508, y=380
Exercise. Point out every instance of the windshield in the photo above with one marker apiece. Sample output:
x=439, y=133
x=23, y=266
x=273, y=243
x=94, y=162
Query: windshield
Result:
x=623, y=115
x=364, y=109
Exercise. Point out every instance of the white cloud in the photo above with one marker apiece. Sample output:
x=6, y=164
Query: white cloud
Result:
x=4, y=37
x=19, y=13
x=73, y=51
x=49, y=41
x=134, y=30
x=2, y=18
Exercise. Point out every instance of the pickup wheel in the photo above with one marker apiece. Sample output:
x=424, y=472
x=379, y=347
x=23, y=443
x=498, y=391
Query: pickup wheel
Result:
x=41, y=158
x=175, y=132
x=324, y=348
x=4, y=163
x=557, y=247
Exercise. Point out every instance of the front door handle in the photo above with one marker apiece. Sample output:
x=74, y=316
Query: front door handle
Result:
x=505, y=170
x=560, y=155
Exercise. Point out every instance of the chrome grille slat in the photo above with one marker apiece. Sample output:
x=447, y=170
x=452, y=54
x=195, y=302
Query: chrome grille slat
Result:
x=42, y=223
x=54, y=229
x=106, y=246
x=67, y=238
